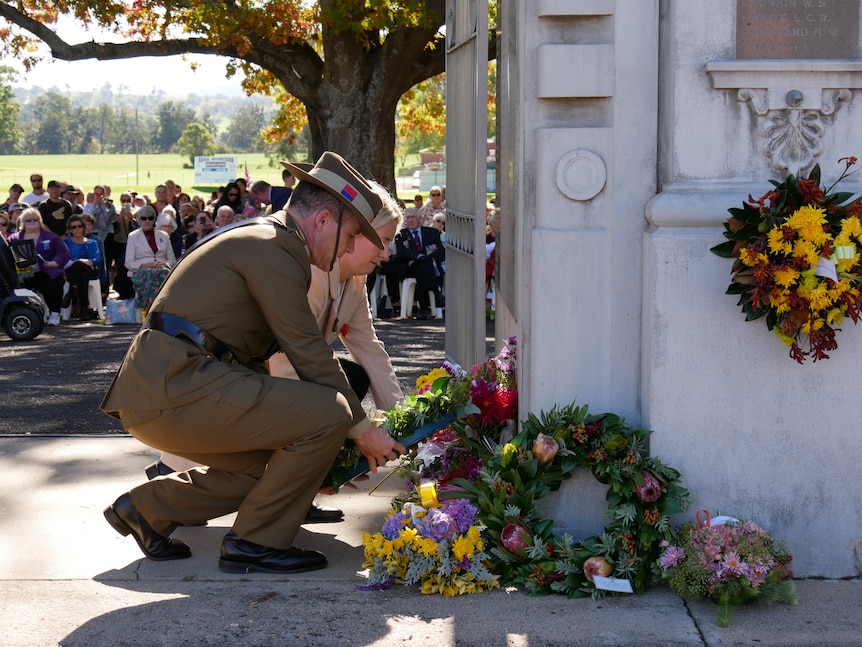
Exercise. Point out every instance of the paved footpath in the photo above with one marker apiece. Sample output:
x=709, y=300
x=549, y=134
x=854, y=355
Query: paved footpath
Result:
x=67, y=578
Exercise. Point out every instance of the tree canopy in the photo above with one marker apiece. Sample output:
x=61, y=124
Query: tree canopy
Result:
x=346, y=61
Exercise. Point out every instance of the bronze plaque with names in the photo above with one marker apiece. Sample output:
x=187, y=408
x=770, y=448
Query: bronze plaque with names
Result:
x=797, y=29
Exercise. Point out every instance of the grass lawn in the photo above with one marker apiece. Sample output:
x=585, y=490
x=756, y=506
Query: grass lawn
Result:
x=121, y=172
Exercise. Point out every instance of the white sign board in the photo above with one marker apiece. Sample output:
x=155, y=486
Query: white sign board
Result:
x=215, y=170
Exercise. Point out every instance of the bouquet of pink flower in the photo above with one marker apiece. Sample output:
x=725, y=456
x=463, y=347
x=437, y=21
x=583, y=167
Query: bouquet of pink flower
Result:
x=729, y=563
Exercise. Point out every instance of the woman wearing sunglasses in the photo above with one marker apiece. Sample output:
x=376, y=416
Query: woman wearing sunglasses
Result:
x=231, y=197
x=53, y=254
x=83, y=267
x=149, y=257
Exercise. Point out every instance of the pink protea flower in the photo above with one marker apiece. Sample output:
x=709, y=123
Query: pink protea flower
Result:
x=651, y=490
x=515, y=539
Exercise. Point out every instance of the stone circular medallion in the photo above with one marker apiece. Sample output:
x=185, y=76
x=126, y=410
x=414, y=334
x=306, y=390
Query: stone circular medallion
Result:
x=581, y=174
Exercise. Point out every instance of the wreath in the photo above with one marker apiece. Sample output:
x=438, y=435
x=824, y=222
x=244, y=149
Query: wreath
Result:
x=642, y=494
x=797, y=261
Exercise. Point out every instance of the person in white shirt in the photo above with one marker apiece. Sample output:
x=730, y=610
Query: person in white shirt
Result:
x=38, y=194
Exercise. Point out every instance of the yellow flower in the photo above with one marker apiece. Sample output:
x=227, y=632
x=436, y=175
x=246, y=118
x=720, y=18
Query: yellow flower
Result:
x=850, y=228
x=807, y=250
x=474, y=536
x=785, y=276
x=819, y=297
x=751, y=258
x=431, y=377
x=834, y=316
x=426, y=546
x=777, y=244
x=809, y=221
x=462, y=547
x=787, y=340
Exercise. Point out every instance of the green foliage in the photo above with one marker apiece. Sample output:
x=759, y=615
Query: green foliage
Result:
x=244, y=131
x=196, y=140
x=9, y=133
x=54, y=133
x=171, y=120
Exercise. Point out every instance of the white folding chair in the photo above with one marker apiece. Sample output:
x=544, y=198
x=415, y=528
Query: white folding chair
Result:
x=408, y=289
x=377, y=292
x=94, y=296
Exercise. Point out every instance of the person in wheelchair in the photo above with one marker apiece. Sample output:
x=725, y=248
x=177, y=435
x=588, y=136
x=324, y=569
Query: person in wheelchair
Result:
x=52, y=254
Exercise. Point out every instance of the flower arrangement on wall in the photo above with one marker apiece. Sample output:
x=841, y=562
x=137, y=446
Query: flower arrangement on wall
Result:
x=797, y=261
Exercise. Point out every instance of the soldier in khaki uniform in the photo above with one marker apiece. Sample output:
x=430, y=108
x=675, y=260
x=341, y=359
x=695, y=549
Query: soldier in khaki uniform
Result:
x=193, y=382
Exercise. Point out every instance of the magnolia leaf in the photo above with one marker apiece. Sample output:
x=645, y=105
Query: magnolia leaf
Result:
x=725, y=249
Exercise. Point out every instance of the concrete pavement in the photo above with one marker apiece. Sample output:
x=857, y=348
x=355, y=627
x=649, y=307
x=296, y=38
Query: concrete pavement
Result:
x=67, y=578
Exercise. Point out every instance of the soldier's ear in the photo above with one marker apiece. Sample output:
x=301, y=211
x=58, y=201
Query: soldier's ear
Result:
x=321, y=219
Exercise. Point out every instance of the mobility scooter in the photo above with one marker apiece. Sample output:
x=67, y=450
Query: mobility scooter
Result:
x=23, y=313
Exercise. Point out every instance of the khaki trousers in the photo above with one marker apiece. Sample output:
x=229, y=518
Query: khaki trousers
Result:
x=268, y=443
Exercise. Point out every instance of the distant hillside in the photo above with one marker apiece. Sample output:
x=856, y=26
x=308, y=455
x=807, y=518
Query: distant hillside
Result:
x=219, y=106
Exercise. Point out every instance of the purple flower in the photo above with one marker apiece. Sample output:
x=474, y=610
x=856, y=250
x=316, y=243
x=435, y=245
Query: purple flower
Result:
x=757, y=574
x=671, y=557
x=437, y=525
x=380, y=586
x=393, y=524
x=463, y=513
x=732, y=565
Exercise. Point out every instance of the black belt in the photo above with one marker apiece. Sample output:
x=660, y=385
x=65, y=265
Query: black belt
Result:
x=179, y=327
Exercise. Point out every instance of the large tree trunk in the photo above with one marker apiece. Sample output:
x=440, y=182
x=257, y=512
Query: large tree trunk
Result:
x=362, y=131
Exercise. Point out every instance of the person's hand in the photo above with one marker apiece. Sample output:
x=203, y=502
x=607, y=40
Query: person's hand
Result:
x=50, y=264
x=378, y=447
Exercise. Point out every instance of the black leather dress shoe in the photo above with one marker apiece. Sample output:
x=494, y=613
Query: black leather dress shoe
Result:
x=157, y=469
x=323, y=514
x=241, y=556
x=126, y=520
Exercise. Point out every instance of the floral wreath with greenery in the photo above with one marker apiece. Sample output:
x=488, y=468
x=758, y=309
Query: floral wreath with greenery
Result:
x=798, y=262
x=470, y=459
x=642, y=494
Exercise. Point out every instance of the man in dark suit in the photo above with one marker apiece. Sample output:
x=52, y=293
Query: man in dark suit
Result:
x=194, y=383
x=421, y=253
x=262, y=192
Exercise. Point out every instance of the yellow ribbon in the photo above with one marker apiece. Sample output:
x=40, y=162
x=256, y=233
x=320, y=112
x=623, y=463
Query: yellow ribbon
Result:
x=428, y=495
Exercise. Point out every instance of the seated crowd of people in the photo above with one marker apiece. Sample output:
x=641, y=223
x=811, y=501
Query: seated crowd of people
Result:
x=131, y=244
x=128, y=245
